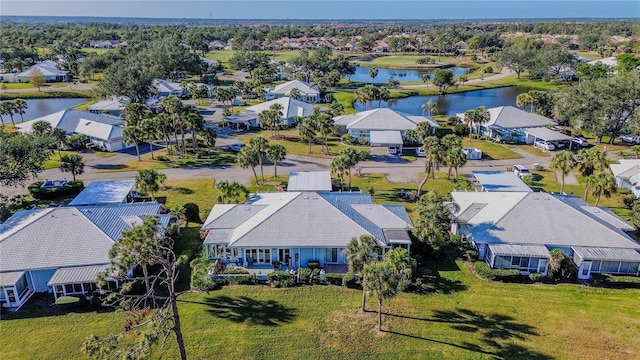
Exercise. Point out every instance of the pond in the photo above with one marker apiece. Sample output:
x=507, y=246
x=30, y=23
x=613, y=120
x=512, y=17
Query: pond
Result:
x=40, y=107
x=451, y=104
x=402, y=75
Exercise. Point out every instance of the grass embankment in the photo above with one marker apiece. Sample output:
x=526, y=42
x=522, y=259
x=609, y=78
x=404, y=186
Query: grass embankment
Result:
x=490, y=150
x=462, y=318
x=8, y=95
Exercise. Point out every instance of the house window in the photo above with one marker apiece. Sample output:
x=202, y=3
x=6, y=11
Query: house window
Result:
x=331, y=255
x=73, y=288
x=259, y=255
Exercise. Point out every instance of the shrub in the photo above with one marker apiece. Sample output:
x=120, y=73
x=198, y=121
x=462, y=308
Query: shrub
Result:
x=163, y=158
x=483, y=269
x=535, y=277
x=349, y=280
x=471, y=255
x=70, y=302
x=192, y=212
x=461, y=130
x=363, y=141
x=628, y=200
x=488, y=70
x=71, y=188
x=538, y=167
x=455, y=239
x=235, y=271
x=405, y=285
x=333, y=278
x=348, y=139
x=453, y=121
x=279, y=279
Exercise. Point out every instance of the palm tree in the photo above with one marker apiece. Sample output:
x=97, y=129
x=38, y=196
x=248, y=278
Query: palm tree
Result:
x=231, y=192
x=339, y=165
x=562, y=162
x=210, y=136
x=383, y=95
x=433, y=152
x=59, y=136
x=195, y=123
x=456, y=158
x=592, y=160
x=294, y=93
x=362, y=98
x=133, y=134
x=469, y=118
x=277, y=114
x=425, y=78
x=133, y=115
x=147, y=181
x=382, y=282
x=324, y=124
x=373, y=72
x=173, y=106
x=165, y=125
x=20, y=106
x=72, y=163
x=635, y=149
x=430, y=106
x=3, y=111
x=261, y=147
x=423, y=129
x=481, y=116
x=523, y=100
x=276, y=153
x=41, y=128
x=360, y=252
x=9, y=108
x=600, y=184
x=248, y=157
x=352, y=157
x=150, y=130
x=307, y=130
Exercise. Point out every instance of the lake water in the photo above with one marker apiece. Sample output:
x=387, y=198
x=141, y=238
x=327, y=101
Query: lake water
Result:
x=402, y=75
x=450, y=104
x=40, y=107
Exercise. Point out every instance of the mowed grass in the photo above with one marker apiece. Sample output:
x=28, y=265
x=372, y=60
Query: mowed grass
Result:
x=463, y=318
x=294, y=144
x=492, y=150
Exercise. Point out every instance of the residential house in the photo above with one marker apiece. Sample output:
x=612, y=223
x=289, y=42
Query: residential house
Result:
x=168, y=88
x=516, y=230
x=309, y=181
x=508, y=123
x=382, y=126
x=217, y=45
x=308, y=93
x=108, y=192
x=115, y=105
x=291, y=109
x=103, y=130
x=499, y=181
x=296, y=227
x=610, y=62
x=627, y=175
x=61, y=250
x=48, y=68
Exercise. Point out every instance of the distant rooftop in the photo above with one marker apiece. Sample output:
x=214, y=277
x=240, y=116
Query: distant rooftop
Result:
x=104, y=193
x=500, y=181
x=309, y=181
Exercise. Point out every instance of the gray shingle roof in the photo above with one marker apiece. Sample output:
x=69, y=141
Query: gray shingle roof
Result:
x=303, y=87
x=76, y=275
x=381, y=119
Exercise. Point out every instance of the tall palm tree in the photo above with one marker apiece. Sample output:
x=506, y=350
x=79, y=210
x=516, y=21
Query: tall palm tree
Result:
x=151, y=131
x=20, y=107
x=173, y=107
x=339, y=165
x=456, y=158
x=433, y=151
x=562, y=162
x=41, y=128
x=599, y=184
x=423, y=129
x=277, y=114
x=430, y=106
x=72, y=163
x=59, y=136
x=324, y=124
x=352, y=157
x=147, y=181
x=469, y=118
x=307, y=130
x=261, y=147
x=481, y=116
x=382, y=282
x=195, y=123
x=276, y=153
x=9, y=108
x=360, y=252
x=592, y=160
x=165, y=125
x=523, y=100
x=373, y=72
x=248, y=157
x=362, y=98
x=383, y=95
x=425, y=78
x=294, y=93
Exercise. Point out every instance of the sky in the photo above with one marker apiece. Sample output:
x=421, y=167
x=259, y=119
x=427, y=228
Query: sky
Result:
x=321, y=9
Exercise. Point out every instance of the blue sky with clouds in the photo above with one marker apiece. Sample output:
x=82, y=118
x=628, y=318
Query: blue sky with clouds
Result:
x=318, y=9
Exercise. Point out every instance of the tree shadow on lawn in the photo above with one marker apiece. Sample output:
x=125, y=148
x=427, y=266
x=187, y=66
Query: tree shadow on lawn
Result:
x=494, y=329
x=245, y=309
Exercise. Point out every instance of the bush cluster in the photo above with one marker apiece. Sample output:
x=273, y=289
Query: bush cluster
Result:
x=71, y=302
x=280, y=279
x=461, y=130
x=535, y=277
x=483, y=269
x=71, y=188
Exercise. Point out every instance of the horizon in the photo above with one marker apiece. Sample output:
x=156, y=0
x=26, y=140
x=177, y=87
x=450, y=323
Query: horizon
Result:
x=309, y=10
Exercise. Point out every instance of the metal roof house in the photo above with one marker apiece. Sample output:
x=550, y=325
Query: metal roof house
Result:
x=112, y=192
x=296, y=227
x=516, y=230
x=291, y=109
x=382, y=126
x=308, y=93
x=309, y=181
x=105, y=131
x=62, y=249
x=48, y=68
x=499, y=181
x=627, y=175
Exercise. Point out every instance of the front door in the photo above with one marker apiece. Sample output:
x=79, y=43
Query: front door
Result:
x=542, y=266
x=284, y=255
x=585, y=270
x=10, y=295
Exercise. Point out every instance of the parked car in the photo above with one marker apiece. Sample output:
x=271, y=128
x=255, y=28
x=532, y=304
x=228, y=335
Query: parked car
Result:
x=420, y=152
x=580, y=141
x=544, y=145
x=521, y=171
x=237, y=146
x=630, y=139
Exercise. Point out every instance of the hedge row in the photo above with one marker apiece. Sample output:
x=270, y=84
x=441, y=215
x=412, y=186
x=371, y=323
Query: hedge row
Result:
x=71, y=188
x=483, y=269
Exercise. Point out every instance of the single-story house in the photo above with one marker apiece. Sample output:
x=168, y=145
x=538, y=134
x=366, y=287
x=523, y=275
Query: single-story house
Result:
x=61, y=250
x=382, y=126
x=291, y=109
x=508, y=123
x=115, y=105
x=48, y=68
x=609, y=61
x=217, y=45
x=168, y=88
x=297, y=227
x=308, y=93
x=499, y=181
x=309, y=181
x=108, y=192
x=104, y=130
x=516, y=230
x=627, y=175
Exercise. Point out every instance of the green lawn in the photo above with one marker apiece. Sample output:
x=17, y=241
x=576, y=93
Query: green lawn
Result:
x=462, y=318
x=54, y=160
x=291, y=140
x=534, y=150
x=492, y=150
